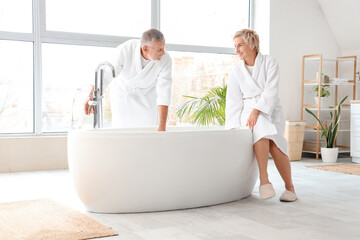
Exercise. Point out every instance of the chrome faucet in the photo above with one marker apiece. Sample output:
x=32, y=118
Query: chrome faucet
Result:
x=97, y=95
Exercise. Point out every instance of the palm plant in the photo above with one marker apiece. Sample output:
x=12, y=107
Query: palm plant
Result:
x=330, y=132
x=206, y=110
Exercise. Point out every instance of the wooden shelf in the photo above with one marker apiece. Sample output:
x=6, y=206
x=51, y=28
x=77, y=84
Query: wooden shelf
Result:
x=330, y=84
x=327, y=109
x=319, y=60
x=314, y=151
x=342, y=59
x=315, y=131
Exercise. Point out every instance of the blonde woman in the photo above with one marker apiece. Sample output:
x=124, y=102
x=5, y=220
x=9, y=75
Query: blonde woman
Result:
x=252, y=101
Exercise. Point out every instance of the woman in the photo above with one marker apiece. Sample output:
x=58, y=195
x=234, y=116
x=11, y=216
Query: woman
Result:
x=252, y=101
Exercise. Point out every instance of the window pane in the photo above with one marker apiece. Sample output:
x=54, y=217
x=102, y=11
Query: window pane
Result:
x=16, y=87
x=194, y=74
x=203, y=22
x=109, y=17
x=68, y=72
x=14, y=18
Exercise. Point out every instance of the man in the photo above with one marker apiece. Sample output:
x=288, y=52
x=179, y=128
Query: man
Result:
x=142, y=85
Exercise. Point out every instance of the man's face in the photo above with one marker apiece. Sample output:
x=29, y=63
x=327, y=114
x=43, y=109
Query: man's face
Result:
x=156, y=50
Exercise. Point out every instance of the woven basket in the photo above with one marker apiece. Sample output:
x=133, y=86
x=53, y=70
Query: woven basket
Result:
x=294, y=134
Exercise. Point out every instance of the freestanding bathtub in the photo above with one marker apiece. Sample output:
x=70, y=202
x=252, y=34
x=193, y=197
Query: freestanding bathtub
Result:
x=142, y=170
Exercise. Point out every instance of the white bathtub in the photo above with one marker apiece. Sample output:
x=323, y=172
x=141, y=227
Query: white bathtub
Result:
x=142, y=170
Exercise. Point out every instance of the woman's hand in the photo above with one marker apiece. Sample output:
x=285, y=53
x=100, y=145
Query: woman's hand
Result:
x=251, y=122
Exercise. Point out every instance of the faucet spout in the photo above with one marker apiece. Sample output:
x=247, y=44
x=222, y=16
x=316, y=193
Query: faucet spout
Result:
x=103, y=64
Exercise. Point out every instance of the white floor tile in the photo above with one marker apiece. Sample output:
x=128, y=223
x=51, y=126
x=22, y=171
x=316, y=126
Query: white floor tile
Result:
x=328, y=208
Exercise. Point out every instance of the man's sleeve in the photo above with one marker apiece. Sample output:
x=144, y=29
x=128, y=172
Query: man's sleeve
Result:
x=163, y=84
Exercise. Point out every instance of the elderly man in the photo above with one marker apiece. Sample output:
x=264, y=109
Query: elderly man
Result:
x=142, y=83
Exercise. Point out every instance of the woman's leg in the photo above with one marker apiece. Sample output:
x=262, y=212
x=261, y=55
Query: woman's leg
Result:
x=261, y=149
x=282, y=163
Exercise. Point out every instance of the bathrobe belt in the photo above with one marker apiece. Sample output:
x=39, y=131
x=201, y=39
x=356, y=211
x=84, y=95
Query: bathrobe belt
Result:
x=253, y=100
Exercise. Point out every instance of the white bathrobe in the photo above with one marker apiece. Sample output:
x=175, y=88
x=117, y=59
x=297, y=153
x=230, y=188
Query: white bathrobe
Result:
x=135, y=91
x=259, y=90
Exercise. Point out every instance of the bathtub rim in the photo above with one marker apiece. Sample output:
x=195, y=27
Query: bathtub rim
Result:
x=169, y=130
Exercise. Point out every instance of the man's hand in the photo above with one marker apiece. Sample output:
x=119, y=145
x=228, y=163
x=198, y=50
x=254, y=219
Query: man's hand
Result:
x=86, y=105
x=163, y=112
x=252, y=120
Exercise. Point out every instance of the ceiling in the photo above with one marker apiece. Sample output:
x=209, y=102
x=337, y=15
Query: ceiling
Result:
x=343, y=18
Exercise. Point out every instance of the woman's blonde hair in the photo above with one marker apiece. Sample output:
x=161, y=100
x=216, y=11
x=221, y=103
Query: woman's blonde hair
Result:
x=250, y=37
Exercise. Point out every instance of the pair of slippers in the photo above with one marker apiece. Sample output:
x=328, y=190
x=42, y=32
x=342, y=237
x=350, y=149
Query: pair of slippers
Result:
x=267, y=191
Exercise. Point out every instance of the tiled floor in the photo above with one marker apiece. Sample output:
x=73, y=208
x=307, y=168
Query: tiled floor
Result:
x=328, y=208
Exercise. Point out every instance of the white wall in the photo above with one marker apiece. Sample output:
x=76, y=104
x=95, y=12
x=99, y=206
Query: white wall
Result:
x=344, y=21
x=262, y=23
x=297, y=28
x=33, y=153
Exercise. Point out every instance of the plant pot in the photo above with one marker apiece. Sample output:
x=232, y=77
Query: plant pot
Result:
x=329, y=155
x=324, y=102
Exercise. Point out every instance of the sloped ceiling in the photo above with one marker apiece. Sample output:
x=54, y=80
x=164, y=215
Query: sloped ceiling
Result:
x=343, y=17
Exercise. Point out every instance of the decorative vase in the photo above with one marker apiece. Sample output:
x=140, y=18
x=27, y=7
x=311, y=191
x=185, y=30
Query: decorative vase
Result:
x=329, y=155
x=324, y=103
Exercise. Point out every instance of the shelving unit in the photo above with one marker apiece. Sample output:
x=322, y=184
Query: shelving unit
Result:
x=316, y=107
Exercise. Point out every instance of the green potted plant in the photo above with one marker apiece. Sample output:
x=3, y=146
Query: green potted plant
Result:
x=330, y=153
x=207, y=110
x=324, y=94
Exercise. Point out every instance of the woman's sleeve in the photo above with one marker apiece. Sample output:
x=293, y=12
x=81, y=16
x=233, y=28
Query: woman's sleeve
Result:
x=269, y=97
x=234, y=103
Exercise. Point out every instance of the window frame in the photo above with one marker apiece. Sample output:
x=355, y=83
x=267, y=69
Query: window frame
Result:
x=40, y=35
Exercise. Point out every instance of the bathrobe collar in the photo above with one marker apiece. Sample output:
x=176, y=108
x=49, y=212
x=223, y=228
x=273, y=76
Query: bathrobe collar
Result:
x=258, y=64
x=251, y=80
x=137, y=59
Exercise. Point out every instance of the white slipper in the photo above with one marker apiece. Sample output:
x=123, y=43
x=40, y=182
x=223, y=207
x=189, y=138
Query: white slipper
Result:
x=288, y=196
x=266, y=191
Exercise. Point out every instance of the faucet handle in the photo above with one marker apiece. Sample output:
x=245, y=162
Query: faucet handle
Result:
x=92, y=104
x=93, y=95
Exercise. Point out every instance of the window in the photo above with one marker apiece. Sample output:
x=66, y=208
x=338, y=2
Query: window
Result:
x=203, y=22
x=14, y=18
x=50, y=49
x=16, y=87
x=68, y=72
x=194, y=74
x=108, y=17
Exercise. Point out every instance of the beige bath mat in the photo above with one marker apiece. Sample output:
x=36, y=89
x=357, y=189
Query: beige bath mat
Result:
x=353, y=169
x=45, y=219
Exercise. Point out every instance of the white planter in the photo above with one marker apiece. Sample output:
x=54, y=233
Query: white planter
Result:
x=324, y=102
x=329, y=155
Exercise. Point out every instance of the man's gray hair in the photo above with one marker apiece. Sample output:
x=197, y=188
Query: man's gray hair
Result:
x=151, y=35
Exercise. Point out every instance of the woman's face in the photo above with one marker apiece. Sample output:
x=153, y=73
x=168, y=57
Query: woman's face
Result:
x=242, y=49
